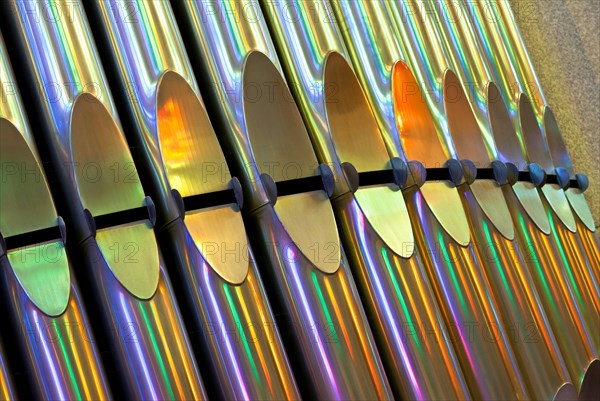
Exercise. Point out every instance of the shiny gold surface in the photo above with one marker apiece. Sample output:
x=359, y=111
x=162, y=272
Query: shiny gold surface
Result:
x=525, y=322
x=537, y=152
x=356, y=139
x=469, y=144
x=469, y=310
x=26, y=203
x=282, y=149
x=421, y=143
x=195, y=164
x=96, y=139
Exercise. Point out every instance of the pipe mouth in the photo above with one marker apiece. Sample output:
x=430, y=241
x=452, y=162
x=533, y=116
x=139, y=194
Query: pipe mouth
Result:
x=505, y=135
x=413, y=118
x=195, y=164
x=567, y=392
x=26, y=206
x=190, y=151
x=25, y=199
x=462, y=124
x=556, y=144
x=107, y=182
x=353, y=126
x=358, y=140
x=532, y=136
x=282, y=149
x=421, y=142
x=590, y=385
x=104, y=171
x=468, y=142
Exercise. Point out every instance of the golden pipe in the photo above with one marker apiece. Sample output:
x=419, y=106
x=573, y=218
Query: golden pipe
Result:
x=396, y=291
x=325, y=328
x=415, y=128
x=219, y=280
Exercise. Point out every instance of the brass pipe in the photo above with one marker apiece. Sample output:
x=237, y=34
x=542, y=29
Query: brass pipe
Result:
x=411, y=116
x=172, y=126
x=324, y=326
x=534, y=146
x=396, y=291
x=461, y=43
x=45, y=320
x=130, y=292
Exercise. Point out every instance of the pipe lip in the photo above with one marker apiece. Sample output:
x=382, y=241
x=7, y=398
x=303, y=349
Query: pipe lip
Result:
x=590, y=385
x=566, y=392
x=556, y=144
x=532, y=136
x=503, y=130
x=468, y=141
x=421, y=142
x=107, y=182
x=280, y=147
x=194, y=164
x=463, y=127
x=414, y=121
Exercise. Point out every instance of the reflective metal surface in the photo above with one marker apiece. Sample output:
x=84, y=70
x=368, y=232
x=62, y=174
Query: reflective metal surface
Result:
x=94, y=170
x=221, y=292
x=394, y=288
x=44, y=319
x=7, y=388
x=59, y=353
x=323, y=324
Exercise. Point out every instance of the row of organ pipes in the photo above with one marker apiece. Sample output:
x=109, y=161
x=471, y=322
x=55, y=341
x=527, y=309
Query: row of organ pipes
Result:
x=273, y=199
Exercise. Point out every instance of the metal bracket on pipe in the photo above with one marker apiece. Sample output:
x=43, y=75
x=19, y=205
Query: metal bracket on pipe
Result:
x=35, y=237
x=146, y=212
x=233, y=194
x=324, y=181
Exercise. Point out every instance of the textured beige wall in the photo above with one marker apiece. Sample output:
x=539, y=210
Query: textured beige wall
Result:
x=563, y=40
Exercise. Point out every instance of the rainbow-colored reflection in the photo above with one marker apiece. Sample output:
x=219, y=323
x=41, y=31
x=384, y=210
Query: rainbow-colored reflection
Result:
x=469, y=308
x=7, y=391
x=234, y=326
x=527, y=326
x=322, y=322
x=61, y=351
x=543, y=260
x=408, y=325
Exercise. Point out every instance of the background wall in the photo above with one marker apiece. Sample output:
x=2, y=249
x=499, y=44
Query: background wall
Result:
x=563, y=40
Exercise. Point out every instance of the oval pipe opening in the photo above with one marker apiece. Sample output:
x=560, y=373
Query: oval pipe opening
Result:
x=279, y=140
x=25, y=201
x=106, y=177
x=505, y=135
x=26, y=205
x=107, y=182
x=357, y=139
x=556, y=144
x=353, y=127
x=413, y=118
x=281, y=147
x=189, y=148
x=533, y=138
x=195, y=164
x=462, y=124
x=421, y=142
